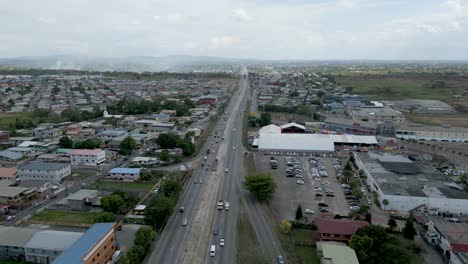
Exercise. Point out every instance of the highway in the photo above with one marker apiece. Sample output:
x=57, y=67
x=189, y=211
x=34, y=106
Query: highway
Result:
x=191, y=243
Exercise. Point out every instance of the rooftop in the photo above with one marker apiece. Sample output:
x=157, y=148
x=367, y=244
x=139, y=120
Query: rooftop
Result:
x=76, y=252
x=10, y=155
x=351, y=122
x=455, y=233
x=338, y=253
x=11, y=191
x=125, y=170
x=53, y=240
x=339, y=226
x=384, y=111
x=88, y=152
x=16, y=236
x=7, y=172
x=47, y=166
x=296, y=142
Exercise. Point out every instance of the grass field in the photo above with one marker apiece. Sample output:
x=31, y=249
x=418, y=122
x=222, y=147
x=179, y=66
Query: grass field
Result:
x=7, y=119
x=64, y=217
x=123, y=185
x=459, y=120
x=383, y=87
x=83, y=174
x=295, y=253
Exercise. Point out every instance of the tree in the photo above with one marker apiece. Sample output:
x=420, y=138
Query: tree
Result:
x=285, y=226
x=104, y=217
x=167, y=140
x=299, y=213
x=409, y=231
x=65, y=142
x=171, y=188
x=385, y=202
x=392, y=224
x=134, y=256
x=144, y=238
x=187, y=147
x=265, y=119
x=127, y=145
x=363, y=246
x=262, y=186
x=91, y=143
x=164, y=155
x=368, y=218
x=158, y=211
x=112, y=203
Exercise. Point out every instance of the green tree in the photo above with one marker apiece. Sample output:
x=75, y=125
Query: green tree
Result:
x=187, y=147
x=164, y=155
x=91, y=143
x=112, y=203
x=392, y=224
x=299, y=213
x=65, y=142
x=127, y=145
x=409, y=231
x=134, y=256
x=262, y=186
x=363, y=246
x=171, y=188
x=265, y=119
x=167, y=140
x=158, y=211
x=104, y=217
x=144, y=238
x=368, y=218
x=385, y=202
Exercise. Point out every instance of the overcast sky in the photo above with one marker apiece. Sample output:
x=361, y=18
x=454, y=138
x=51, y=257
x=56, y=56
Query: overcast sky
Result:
x=265, y=29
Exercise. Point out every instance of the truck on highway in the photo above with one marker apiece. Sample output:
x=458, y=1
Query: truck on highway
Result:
x=220, y=205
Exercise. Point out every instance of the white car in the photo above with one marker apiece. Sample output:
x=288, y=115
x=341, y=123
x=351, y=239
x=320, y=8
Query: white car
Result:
x=226, y=170
x=300, y=182
x=221, y=242
x=309, y=211
x=184, y=223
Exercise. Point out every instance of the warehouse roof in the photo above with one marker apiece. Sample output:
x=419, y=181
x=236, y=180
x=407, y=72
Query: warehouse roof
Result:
x=354, y=139
x=296, y=142
x=16, y=236
x=125, y=170
x=270, y=129
x=9, y=191
x=53, y=240
x=10, y=155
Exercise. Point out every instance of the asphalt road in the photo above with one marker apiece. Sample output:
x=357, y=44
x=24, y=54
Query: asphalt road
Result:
x=191, y=243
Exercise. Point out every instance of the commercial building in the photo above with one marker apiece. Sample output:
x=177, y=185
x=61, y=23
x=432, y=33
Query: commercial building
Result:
x=293, y=128
x=34, y=245
x=15, y=196
x=96, y=246
x=87, y=157
x=405, y=184
x=340, y=230
x=434, y=133
x=44, y=171
x=8, y=174
x=128, y=174
x=350, y=126
x=378, y=115
x=336, y=253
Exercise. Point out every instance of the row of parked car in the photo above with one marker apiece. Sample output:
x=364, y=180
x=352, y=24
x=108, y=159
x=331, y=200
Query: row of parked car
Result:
x=317, y=168
x=294, y=169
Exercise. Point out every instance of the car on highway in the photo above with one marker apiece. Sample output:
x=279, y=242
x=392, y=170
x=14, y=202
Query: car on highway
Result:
x=226, y=170
x=280, y=260
x=212, y=250
x=184, y=222
x=181, y=209
x=215, y=231
x=309, y=211
x=221, y=242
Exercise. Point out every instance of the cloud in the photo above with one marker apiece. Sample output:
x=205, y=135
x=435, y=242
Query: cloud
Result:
x=190, y=45
x=47, y=20
x=348, y=3
x=221, y=42
x=241, y=15
x=175, y=18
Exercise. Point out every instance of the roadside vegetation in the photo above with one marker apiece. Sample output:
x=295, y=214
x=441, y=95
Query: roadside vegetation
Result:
x=262, y=186
x=142, y=244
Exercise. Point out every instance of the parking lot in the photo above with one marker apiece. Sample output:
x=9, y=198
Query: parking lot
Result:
x=304, y=180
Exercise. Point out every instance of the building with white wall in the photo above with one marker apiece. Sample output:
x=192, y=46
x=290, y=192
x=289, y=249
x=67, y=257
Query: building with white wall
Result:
x=433, y=133
x=406, y=184
x=44, y=171
x=129, y=174
x=87, y=157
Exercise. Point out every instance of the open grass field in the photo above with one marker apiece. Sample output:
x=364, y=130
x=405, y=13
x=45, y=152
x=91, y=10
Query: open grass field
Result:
x=135, y=186
x=7, y=119
x=64, y=217
x=400, y=87
x=300, y=254
x=459, y=120
x=83, y=174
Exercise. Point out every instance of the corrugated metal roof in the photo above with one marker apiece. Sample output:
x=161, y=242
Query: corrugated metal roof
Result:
x=16, y=236
x=53, y=240
x=48, y=166
x=10, y=155
x=339, y=254
x=296, y=142
x=125, y=170
x=75, y=253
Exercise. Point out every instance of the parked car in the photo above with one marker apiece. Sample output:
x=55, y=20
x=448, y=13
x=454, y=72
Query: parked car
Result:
x=323, y=204
x=309, y=211
x=324, y=210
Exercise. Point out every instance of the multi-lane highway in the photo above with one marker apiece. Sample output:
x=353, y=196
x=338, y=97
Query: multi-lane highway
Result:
x=221, y=181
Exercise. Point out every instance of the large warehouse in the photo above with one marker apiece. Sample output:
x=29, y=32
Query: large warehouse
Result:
x=271, y=139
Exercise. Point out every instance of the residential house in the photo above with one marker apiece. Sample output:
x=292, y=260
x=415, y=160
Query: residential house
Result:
x=87, y=157
x=128, y=174
x=340, y=230
x=8, y=174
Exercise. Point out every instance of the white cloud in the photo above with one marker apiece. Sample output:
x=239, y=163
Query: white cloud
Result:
x=221, y=42
x=349, y=3
x=241, y=15
x=156, y=17
x=175, y=18
x=190, y=45
x=48, y=20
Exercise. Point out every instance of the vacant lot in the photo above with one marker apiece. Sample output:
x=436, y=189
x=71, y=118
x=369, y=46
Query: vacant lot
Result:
x=54, y=216
x=410, y=86
x=131, y=186
x=9, y=119
x=459, y=120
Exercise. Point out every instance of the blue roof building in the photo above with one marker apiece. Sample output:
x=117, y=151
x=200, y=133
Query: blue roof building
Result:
x=96, y=246
x=125, y=173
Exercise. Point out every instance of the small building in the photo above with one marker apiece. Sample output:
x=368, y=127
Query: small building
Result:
x=96, y=246
x=125, y=173
x=144, y=161
x=15, y=196
x=87, y=157
x=340, y=230
x=336, y=253
x=9, y=157
x=80, y=200
x=112, y=134
x=8, y=174
x=44, y=171
x=293, y=128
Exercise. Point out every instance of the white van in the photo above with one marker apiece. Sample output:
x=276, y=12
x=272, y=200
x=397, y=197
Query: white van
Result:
x=212, y=251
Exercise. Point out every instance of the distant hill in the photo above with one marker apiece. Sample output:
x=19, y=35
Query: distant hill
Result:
x=137, y=63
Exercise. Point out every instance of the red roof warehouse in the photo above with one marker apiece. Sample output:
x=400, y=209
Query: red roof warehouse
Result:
x=337, y=229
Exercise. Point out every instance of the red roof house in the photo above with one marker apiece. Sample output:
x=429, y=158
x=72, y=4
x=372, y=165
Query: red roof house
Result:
x=337, y=229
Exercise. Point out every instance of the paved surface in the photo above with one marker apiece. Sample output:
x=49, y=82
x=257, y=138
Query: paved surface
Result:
x=191, y=243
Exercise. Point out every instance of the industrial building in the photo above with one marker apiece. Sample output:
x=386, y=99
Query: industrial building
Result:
x=34, y=245
x=432, y=133
x=405, y=184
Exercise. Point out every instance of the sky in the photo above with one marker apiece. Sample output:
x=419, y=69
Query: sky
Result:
x=262, y=29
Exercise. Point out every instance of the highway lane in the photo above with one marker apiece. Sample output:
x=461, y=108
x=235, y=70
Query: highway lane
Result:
x=172, y=241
